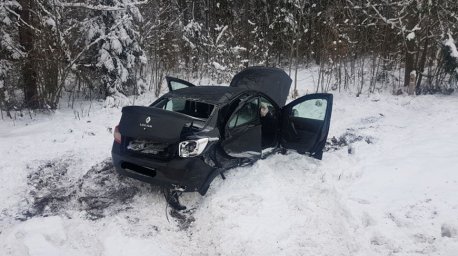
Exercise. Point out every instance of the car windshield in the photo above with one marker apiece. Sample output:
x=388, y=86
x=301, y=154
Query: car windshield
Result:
x=188, y=107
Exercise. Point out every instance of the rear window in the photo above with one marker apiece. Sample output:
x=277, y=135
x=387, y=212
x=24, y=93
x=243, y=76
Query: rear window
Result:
x=186, y=106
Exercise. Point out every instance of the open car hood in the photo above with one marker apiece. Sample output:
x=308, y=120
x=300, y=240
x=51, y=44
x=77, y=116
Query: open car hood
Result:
x=274, y=82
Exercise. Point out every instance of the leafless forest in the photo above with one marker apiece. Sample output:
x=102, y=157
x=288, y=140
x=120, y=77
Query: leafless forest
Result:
x=50, y=49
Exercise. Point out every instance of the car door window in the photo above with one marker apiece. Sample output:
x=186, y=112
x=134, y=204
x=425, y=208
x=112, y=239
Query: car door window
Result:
x=311, y=109
x=177, y=85
x=174, y=83
x=247, y=114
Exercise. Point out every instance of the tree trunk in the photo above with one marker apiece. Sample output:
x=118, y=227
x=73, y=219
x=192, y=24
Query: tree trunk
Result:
x=410, y=48
x=29, y=72
x=410, y=62
x=421, y=66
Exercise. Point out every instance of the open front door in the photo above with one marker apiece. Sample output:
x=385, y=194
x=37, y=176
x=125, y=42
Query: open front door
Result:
x=305, y=124
x=175, y=83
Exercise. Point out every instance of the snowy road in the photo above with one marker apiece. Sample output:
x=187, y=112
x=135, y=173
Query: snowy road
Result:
x=396, y=194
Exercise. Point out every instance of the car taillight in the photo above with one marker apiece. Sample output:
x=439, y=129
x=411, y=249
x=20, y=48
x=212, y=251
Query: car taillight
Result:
x=117, y=135
x=190, y=148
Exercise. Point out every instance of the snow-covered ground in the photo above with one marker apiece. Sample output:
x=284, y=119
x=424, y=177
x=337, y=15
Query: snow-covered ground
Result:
x=395, y=193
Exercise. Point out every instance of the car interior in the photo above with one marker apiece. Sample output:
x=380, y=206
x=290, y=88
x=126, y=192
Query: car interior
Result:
x=269, y=122
x=188, y=107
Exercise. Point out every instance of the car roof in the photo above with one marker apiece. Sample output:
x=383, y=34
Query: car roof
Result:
x=216, y=95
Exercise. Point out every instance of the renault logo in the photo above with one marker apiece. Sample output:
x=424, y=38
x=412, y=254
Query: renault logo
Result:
x=148, y=119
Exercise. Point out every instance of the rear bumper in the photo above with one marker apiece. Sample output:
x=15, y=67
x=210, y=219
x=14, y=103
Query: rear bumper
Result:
x=190, y=174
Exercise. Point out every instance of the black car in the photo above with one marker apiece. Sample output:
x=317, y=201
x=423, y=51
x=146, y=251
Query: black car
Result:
x=192, y=134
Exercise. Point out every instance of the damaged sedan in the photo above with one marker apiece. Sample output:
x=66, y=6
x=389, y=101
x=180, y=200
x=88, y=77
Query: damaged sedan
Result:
x=192, y=134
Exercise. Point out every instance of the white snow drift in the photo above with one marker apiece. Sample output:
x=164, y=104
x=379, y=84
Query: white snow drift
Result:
x=395, y=194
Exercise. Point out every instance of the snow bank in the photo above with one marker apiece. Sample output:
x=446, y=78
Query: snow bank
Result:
x=119, y=245
x=40, y=236
x=394, y=194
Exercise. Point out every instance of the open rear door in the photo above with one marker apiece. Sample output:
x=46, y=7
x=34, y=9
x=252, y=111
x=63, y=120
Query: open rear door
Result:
x=305, y=124
x=175, y=83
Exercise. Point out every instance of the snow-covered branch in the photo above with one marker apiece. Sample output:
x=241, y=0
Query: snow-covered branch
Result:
x=118, y=7
x=21, y=20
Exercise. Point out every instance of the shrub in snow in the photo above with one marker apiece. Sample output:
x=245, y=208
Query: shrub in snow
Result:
x=450, y=55
x=10, y=53
x=113, y=35
x=116, y=100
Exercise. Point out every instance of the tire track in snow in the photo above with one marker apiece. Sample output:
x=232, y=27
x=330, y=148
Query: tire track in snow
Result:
x=99, y=192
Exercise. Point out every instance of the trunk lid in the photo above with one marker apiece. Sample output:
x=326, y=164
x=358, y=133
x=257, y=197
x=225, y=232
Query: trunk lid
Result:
x=153, y=124
x=152, y=132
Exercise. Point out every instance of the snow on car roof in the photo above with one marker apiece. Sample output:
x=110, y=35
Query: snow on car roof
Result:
x=215, y=95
